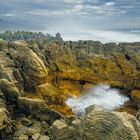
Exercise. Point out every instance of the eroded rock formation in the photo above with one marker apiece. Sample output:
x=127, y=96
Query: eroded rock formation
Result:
x=36, y=79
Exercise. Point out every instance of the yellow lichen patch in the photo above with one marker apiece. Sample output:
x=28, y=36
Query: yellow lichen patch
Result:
x=69, y=88
x=48, y=89
x=64, y=109
x=136, y=94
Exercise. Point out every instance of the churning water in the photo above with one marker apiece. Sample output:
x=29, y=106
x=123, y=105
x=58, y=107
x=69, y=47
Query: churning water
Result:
x=101, y=95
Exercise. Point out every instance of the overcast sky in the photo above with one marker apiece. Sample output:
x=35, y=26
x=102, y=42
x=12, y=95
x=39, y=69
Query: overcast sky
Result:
x=104, y=20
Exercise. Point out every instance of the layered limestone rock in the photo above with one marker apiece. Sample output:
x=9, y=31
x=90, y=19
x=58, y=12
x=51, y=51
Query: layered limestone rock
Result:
x=6, y=124
x=114, y=69
x=36, y=81
x=38, y=109
x=28, y=71
x=70, y=67
x=8, y=84
x=31, y=67
x=98, y=124
x=34, y=74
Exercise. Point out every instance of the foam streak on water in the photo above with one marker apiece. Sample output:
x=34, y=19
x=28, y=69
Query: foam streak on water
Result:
x=101, y=95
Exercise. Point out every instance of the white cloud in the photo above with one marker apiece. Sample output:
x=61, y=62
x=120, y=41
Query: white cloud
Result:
x=73, y=1
x=109, y=3
x=104, y=8
x=9, y=15
x=43, y=12
x=78, y=8
x=103, y=36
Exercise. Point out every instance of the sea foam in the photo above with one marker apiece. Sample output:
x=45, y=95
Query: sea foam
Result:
x=101, y=95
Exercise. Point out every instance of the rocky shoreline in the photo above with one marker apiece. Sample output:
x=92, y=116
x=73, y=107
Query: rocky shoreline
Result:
x=36, y=79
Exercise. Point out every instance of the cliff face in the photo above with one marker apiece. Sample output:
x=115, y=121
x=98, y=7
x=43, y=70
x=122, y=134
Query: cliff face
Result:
x=36, y=80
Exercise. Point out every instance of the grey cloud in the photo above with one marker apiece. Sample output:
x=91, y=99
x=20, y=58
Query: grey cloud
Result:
x=66, y=15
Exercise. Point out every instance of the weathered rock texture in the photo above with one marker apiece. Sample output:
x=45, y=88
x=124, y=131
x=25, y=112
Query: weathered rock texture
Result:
x=77, y=66
x=98, y=124
x=36, y=79
x=6, y=125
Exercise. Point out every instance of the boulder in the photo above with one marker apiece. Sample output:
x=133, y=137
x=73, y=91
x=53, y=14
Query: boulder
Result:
x=98, y=124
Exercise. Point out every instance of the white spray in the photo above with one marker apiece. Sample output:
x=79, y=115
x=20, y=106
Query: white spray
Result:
x=101, y=95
